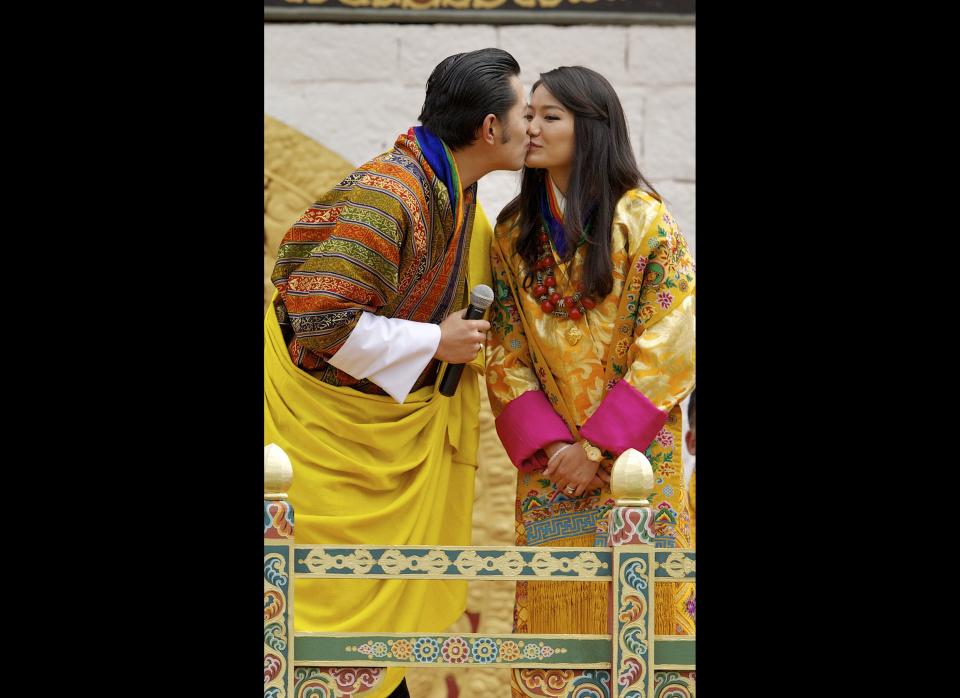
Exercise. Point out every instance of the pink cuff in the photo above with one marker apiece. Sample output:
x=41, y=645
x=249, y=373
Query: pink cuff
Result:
x=625, y=419
x=526, y=425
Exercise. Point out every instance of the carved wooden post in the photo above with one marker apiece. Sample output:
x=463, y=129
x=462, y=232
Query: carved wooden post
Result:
x=632, y=597
x=277, y=575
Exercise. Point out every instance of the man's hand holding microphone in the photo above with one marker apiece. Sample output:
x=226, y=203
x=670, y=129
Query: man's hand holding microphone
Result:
x=462, y=335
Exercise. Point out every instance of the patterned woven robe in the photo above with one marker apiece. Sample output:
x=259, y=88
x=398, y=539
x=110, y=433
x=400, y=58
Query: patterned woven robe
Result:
x=641, y=333
x=379, y=242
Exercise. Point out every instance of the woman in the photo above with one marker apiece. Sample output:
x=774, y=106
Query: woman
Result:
x=591, y=347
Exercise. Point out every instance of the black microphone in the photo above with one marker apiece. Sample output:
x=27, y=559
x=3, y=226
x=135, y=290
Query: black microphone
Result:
x=480, y=299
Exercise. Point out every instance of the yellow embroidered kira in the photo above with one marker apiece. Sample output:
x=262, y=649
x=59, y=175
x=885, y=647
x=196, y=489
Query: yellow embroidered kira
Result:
x=642, y=332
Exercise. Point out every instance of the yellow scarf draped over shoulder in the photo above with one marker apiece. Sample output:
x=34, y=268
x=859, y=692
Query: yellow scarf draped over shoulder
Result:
x=367, y=470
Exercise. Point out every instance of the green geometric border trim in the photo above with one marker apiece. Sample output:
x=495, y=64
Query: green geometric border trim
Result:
x=320, y=649
x=442, y=562
x=678, y=565
x=452, y=650
x=676, y=652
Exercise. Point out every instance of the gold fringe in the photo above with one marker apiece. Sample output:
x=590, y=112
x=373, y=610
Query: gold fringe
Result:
x=582, y=607
x=665, y=594
x=567, y=607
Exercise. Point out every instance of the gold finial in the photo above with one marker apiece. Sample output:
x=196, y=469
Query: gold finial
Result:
x=631, y=480
x=277, y=472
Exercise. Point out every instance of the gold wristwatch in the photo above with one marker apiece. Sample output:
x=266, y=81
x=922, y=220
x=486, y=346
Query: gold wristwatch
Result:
x=593, y=453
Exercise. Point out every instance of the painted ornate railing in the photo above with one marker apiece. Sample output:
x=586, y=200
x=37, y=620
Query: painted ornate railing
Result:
x=630, y=663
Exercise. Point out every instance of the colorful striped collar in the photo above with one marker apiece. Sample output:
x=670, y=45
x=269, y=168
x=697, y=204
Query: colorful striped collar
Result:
x=441, y=161
x=553, y=216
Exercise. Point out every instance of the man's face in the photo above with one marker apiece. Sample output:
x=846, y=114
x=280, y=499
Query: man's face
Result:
x=514, y=141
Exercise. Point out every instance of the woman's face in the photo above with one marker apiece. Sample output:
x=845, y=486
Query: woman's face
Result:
x=550, y=127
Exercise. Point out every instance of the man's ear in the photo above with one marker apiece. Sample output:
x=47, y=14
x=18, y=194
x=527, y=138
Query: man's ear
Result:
x=488, y=129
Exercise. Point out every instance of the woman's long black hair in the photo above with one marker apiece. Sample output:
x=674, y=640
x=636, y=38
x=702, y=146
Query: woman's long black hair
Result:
x=603, y=170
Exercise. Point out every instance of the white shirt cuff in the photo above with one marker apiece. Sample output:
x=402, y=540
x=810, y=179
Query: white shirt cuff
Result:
x=391, y=352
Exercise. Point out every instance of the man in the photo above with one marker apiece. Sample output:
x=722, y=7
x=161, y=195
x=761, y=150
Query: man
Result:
x=371, y=283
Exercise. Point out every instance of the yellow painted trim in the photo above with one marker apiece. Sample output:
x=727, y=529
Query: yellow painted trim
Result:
x=500, y=636
x=473, y=665
x=686, y=638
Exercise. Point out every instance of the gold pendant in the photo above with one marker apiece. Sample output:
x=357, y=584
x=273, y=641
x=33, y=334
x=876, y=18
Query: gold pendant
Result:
x=574, y=334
